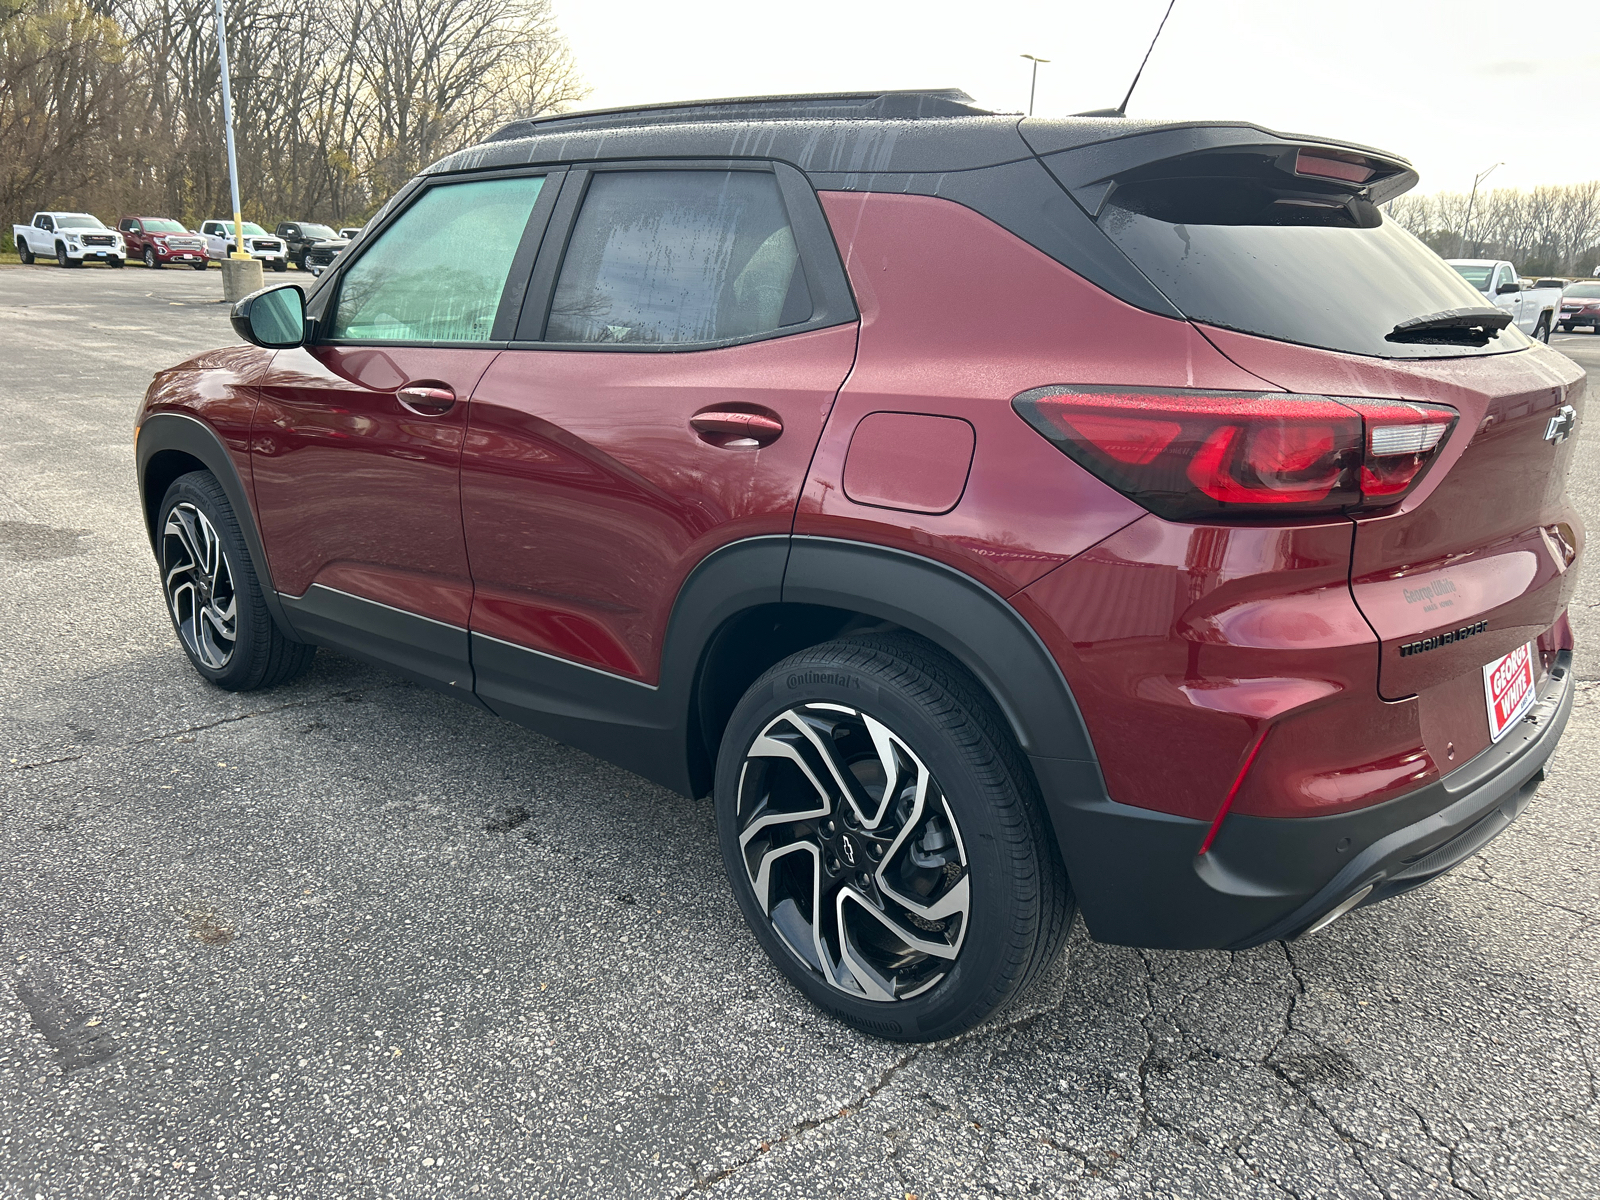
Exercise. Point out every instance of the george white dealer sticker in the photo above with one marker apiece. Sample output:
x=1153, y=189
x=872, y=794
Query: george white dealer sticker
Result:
x=1508, y=687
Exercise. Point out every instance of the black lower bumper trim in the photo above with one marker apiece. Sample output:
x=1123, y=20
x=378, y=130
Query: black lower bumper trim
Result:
x=1140, y=881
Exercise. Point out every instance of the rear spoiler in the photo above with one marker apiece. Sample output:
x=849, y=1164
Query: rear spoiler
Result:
x=1090, y=172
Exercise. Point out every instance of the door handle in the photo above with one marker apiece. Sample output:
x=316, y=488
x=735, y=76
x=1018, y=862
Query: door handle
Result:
x=426, y=399
x=731, y=429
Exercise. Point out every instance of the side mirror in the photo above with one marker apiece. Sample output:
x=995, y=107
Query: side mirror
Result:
x=1506, y=289
x=273, y=318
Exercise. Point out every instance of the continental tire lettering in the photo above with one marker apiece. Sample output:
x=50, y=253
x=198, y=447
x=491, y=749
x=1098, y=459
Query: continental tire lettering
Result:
x=1443, y=639
x=889, y=1027
x=826, y=678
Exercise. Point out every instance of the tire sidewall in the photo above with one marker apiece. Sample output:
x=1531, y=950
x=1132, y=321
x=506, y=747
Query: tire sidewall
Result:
x=205, y=493
x=946, y=1009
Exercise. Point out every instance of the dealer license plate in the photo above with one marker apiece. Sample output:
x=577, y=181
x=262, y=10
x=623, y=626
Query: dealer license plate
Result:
x=1508, y=688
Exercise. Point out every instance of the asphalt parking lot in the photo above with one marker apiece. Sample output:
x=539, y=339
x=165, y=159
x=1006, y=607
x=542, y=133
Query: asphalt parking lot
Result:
x=352, y=939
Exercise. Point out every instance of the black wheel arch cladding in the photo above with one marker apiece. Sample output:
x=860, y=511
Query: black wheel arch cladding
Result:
x=171, y=445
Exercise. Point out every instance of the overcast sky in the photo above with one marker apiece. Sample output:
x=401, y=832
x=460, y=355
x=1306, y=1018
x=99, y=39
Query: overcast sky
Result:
x=1454, y=86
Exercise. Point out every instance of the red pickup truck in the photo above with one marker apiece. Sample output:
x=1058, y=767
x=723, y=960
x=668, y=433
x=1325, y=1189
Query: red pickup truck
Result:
x=157, y=241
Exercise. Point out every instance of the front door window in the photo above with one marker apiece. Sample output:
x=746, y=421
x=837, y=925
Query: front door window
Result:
x=437, y=273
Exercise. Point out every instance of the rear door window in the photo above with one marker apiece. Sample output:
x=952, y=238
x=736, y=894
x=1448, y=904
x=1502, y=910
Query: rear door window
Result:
x=437, y=272
x=679, y=258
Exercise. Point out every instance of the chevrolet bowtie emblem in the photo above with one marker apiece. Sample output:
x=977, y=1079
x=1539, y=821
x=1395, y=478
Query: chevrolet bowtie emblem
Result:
x=1561, y=425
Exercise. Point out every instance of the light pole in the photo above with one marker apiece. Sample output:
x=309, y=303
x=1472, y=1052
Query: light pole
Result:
x=227, y=122
x=1032, y=84
x=1466, y=228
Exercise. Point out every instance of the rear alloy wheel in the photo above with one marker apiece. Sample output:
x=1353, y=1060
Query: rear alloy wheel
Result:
x=25, y=252
x=883, y=839
x=1541, y=331
x=213, y=596
x=150, y=259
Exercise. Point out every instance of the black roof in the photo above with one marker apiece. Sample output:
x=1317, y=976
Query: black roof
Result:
x=849, y=135
x=815, y=106
x=1044, y=179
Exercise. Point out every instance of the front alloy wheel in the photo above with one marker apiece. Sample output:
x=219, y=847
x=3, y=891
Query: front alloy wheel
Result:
x=214, y=596
x=853, y=853
x=199, y=586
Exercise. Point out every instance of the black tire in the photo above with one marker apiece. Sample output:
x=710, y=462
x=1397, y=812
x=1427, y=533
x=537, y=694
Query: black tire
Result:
x=25, y=252
x=201, y=266
x=115, y=263
x=948, y=740
x=62, y=260
x=150, y=259
x=281, y=265
x=252, y=652
x=1541, y=331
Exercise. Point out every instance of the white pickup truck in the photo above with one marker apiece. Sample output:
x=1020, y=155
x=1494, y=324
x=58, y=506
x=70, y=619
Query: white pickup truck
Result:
x=258, y=243
x=71, y=238
x=1533, y=310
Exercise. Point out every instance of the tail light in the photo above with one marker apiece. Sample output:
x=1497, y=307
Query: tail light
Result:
x=1196, y=455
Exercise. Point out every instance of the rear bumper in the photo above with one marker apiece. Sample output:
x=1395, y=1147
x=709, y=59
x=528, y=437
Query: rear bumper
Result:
x=1140, y=881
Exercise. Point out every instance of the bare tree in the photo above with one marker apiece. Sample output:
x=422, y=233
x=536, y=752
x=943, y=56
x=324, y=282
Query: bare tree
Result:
x=63, y=84
x=118, y=107
x=1548, y=231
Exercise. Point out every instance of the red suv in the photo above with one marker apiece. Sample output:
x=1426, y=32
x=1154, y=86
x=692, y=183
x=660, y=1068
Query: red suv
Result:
x=997, y=516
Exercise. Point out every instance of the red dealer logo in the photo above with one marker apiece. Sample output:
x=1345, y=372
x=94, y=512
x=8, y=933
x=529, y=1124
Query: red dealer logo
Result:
x=1508, y=688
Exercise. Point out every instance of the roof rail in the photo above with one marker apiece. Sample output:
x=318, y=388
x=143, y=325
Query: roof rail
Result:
x=821, y=106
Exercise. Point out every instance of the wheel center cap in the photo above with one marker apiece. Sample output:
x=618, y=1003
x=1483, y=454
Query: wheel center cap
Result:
x=849, y=852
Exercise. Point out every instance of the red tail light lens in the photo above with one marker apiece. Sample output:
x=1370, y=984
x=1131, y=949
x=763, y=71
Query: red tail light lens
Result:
x=1401, y=439
x=1193, y=455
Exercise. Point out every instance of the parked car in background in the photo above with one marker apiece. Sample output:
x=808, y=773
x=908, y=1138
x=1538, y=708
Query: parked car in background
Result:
x=311, y=246
x=1532, y=309
x=71, y=238
x=349, y=231
x=258, y=243
x=997, y=517
x=1580, y=305
x=157, y=241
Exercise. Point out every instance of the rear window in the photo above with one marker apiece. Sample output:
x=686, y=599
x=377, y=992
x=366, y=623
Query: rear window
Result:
x=1289, y=259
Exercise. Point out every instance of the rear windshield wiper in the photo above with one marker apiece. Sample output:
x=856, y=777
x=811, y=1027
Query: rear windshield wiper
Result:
x=1452, y=327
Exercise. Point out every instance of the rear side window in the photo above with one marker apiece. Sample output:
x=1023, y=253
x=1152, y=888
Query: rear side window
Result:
x=1248, y=248
x=679, y=257
x=437, y=272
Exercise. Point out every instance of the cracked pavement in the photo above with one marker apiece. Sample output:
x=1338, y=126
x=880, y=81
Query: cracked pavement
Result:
x=352, y=939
